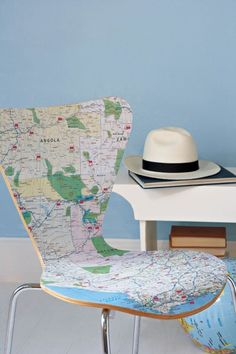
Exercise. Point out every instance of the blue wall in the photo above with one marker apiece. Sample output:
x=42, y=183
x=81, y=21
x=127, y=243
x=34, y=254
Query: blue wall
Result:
x=173, y=60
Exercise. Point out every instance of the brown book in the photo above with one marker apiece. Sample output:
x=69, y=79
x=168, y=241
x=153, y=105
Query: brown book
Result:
x=198, y=236
x=217, y=251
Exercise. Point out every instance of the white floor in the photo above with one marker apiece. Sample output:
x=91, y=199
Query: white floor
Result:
x=47, y=325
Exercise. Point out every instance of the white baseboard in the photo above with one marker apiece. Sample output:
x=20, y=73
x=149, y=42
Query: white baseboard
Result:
x=19, y=263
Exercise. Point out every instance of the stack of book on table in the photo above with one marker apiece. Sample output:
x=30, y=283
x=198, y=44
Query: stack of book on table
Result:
x=222, y=177
x=199, y=238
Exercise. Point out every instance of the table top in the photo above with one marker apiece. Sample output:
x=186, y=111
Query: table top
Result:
x=208, y=203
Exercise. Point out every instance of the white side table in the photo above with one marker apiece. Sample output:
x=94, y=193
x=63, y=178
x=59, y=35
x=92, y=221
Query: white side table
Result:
x=214, y=203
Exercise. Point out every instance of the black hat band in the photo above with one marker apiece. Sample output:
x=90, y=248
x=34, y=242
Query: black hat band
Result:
x=170, y=167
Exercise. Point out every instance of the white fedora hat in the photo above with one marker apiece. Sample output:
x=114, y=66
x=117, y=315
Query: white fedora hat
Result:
x=170, y=153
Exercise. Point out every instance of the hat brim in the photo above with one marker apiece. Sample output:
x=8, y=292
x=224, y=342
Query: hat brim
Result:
x=206, y=169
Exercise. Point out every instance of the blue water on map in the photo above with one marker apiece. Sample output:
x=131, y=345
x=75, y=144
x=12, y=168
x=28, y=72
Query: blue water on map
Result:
x=122, y=300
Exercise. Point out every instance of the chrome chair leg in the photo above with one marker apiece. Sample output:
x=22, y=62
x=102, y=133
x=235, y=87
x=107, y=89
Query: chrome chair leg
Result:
x=135, y=348
x=105, y=332
x=233, y=290
x=12, y=312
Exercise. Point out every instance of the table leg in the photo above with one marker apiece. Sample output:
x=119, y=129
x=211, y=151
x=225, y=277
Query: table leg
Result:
x=147, y=229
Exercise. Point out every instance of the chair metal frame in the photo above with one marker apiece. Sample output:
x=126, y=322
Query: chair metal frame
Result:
x=105, y=316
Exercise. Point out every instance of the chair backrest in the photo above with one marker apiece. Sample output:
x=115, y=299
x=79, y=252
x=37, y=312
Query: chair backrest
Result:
x=60, y=165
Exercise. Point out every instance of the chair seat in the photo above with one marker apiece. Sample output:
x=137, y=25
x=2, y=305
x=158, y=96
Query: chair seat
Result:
x=162, y=284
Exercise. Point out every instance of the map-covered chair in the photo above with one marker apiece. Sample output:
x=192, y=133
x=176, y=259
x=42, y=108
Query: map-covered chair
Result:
x=60, y=164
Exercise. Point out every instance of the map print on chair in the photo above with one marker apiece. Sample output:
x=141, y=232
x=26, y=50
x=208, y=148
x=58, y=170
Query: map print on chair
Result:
x=60, y=164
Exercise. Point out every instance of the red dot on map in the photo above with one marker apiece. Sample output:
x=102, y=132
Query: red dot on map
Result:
x=59, y=119
x=16, y=125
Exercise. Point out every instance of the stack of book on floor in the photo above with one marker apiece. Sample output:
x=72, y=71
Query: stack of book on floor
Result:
x=199, y=238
